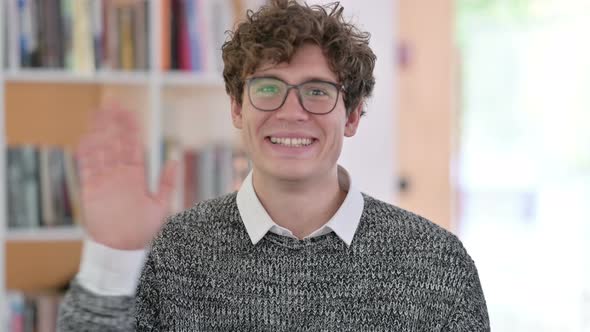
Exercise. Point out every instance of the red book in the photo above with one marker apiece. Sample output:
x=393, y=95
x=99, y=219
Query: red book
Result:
x=184, y=49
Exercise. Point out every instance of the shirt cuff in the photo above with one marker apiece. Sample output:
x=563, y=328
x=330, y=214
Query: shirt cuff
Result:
x=110, y=272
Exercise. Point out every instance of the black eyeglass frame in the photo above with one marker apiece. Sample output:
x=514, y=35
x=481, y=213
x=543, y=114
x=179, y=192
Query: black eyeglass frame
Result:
x=339, y=87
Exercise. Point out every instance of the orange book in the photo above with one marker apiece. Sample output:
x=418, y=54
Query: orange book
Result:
x=127, y=46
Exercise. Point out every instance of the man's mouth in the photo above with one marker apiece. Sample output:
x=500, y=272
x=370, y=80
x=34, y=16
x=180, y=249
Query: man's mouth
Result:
x=292, y=141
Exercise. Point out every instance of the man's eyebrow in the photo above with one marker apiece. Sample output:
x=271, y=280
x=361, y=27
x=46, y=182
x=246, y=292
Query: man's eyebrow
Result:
x=317, y=78
x=305, y=79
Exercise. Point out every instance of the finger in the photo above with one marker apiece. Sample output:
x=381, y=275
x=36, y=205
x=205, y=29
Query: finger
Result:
x=131, y=150
x=167, y=183
x=90, y=165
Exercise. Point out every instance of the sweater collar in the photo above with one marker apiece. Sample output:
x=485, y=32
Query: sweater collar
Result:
x=344, y=222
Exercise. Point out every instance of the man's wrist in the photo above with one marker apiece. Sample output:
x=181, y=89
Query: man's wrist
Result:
x=108, y=271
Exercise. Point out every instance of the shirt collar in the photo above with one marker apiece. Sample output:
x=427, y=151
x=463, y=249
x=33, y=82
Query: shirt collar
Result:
x=344, y=222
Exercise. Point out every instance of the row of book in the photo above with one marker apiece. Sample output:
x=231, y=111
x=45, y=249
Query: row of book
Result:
x=89, y=35
x=77, y=35
x=43, y=187
x=32, y=312
x=205, y=172
x=193, y=32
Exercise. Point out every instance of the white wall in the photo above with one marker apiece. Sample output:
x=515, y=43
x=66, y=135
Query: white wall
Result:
x=370, y=155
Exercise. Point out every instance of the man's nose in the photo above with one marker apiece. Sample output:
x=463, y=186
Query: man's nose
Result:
x=292, y=108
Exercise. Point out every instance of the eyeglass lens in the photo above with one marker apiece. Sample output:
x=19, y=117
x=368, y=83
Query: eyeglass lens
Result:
x=268, y=94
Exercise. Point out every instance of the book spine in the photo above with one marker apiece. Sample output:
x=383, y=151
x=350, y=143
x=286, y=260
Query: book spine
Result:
x=12, y=185
x=30, y=186
x=83, y=53
x=184, y=60
x=47, y=209
x=97, y=32
x=112, y=37
x=140, y=32
x=66, y=23
x=13, y=31
x=25, y=32
x=165, y=12
x=125, y=22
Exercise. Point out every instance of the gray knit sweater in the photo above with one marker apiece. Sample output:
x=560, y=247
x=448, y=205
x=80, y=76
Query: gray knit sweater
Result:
x=401, y=273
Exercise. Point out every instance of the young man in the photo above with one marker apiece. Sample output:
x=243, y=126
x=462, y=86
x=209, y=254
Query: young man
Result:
x=298, y=248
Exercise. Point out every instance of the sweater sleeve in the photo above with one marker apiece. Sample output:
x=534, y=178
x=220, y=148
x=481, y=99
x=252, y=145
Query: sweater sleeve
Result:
x=102, y=296
x=84, y=310
x=469, y=313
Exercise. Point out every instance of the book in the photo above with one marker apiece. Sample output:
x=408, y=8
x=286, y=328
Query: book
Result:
x=33, y=312
x=165, y=31
x=77, y=35
x=141, y=33
x=222, y=18
x=66, y=28
x=206, y=172
x=30, y=186
x=194, y=31
x=126, y=47
x=12, y=33
x=97, y=26
x=82, y=39
x=43, y=187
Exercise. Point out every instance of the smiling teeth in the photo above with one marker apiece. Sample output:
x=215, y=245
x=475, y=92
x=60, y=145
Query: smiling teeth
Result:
x=295, y=142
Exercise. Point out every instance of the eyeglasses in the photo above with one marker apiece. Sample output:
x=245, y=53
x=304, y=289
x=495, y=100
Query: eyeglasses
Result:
x=268, y=94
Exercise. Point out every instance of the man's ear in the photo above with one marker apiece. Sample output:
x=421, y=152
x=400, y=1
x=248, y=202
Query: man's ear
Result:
x=352, y=121
x=236, y=113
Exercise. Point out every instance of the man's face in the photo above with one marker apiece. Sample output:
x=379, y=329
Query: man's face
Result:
x=291, y=143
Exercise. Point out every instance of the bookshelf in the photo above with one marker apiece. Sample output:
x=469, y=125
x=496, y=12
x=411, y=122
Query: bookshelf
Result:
x=64, y=233
x=52, y=76
x=190, y=107
x=3, y=190
x=52, y=105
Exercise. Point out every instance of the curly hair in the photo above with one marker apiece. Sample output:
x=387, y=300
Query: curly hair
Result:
x=275, y=32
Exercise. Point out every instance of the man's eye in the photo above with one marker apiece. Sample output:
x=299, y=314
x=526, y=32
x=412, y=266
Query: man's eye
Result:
x=267, y=89
x=317, y=92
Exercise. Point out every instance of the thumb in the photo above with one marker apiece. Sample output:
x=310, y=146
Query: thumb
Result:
x=167, y=183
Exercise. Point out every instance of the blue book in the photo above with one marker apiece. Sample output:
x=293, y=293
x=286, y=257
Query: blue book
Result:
x=23, y=38
x=194, y=32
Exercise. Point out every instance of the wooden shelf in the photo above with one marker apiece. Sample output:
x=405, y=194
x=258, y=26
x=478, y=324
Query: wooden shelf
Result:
x=180, y=78
x=62, y=76
x=172, y=78
x=41, y=265
x=66, y=233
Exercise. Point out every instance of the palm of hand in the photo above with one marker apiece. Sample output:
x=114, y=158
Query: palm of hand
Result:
x=119, y=210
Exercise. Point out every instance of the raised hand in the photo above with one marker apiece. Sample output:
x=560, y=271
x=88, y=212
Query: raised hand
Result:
x=119, y=210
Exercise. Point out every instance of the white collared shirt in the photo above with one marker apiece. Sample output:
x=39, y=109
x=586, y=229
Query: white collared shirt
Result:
x=108, y=271
x=344, y=222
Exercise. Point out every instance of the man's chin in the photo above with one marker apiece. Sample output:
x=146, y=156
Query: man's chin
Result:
x=290, y=171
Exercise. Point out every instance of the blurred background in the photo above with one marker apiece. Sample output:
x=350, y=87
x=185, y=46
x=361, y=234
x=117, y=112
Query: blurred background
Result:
x=523, y=164
x=515, y=76
x=479, y=122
